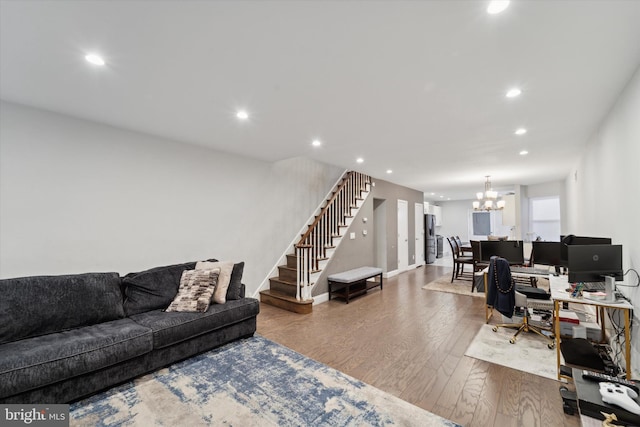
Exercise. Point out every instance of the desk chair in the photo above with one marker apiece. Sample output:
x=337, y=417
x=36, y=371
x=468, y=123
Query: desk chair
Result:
x=504, y=295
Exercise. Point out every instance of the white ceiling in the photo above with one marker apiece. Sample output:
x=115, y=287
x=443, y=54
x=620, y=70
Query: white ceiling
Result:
x=417, y=87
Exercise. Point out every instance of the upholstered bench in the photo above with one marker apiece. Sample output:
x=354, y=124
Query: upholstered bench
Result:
x=354, y=282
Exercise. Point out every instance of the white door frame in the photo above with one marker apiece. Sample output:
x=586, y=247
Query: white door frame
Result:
x=419, y=227
x=403, y=235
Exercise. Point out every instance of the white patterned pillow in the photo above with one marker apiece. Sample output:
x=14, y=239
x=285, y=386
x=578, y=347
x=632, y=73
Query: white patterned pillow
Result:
x=226, y=268
x=196, y=289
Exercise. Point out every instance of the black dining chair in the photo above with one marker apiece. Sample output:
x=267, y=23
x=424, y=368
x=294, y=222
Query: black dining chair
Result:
x=459, y=261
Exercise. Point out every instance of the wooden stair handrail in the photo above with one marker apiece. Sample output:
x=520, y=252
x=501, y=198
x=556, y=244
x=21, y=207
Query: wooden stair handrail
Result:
x=335, y=195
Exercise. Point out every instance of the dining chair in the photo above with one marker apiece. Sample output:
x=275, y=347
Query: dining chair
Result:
x=459, y=261
x=462, y=250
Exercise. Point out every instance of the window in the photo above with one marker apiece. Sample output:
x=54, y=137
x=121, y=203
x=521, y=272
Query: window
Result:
x=545, y=218
x=481, y=223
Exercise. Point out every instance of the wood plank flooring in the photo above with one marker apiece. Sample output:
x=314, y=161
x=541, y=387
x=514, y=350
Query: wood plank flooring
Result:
x=411, y=342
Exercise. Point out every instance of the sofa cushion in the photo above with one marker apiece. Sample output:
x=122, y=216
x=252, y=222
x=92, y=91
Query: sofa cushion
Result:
x=154, y=288
x=196, y=290
x=40, y=305
x=38, y=361
x=174, y=327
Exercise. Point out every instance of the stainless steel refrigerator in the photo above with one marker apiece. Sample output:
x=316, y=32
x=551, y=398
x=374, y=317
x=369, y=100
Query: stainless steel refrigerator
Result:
x=430, y=249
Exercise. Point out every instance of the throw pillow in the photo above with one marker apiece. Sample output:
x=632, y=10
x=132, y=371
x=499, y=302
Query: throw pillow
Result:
x=152, y=289
x=196, y=288
x=235, y=286
x=226, y=268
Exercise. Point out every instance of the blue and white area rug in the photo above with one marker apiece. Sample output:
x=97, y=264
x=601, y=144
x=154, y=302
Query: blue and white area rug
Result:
x=251, y=382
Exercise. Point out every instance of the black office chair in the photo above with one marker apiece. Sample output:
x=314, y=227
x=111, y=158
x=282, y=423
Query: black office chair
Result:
x=504, y=295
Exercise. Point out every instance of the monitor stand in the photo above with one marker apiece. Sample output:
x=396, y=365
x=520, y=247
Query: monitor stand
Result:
x=610, y=288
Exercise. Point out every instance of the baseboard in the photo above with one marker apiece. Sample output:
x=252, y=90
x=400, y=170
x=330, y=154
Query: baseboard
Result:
x=391, y=273
x=319, y=299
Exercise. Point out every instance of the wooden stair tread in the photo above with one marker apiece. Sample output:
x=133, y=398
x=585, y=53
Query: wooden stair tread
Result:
x=285, y=297
x=286, y=302
x=283, y=281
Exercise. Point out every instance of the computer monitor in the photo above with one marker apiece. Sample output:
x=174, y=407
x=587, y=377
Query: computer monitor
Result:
x=579, y=240
x=591, y=263
x=547, y=253
x=511, y=250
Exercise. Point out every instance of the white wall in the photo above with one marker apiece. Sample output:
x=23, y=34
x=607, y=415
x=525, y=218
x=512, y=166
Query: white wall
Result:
x=77, y=196
x=603, y=190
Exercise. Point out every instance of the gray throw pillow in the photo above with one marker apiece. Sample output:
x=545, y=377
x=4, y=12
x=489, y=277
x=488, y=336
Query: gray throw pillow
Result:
x=233, y=291
x=153, y=289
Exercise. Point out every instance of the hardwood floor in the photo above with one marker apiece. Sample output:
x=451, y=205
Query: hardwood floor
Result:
x=410, y=342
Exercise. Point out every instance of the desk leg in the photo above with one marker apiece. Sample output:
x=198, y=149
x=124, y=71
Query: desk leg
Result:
x=627, y=343
x=487, y=311
x=603, y=332
x=556, y=322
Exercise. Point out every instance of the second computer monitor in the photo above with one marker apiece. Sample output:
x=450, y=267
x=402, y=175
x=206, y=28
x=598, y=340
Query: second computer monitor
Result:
x=511, y=250
x=547, y=253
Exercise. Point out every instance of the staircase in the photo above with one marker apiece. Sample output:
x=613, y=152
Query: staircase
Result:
x=291, y=289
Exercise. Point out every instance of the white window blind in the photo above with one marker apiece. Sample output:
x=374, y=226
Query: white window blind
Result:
x=545, y=218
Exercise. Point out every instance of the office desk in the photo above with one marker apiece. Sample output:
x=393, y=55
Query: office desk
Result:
x=559, y=295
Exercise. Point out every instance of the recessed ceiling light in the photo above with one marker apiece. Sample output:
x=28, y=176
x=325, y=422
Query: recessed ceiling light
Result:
x=521, y=131
x=497, y=6
x=442, y=197
x=433, y=194
x=242, y=115
x=94, y=59
x=524, y=152
x=316, y=143
x=512, y=93
x=359, y=160
x=389, y=171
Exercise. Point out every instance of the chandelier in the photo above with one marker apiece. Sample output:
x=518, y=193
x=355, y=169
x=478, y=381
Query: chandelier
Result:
x=488, y=200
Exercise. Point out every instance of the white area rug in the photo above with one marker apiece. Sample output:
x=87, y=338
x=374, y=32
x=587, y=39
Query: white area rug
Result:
x=529, y=354
x=444, y=284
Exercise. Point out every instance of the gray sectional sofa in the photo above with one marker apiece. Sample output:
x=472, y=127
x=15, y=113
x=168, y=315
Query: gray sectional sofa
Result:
x=66, y=337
